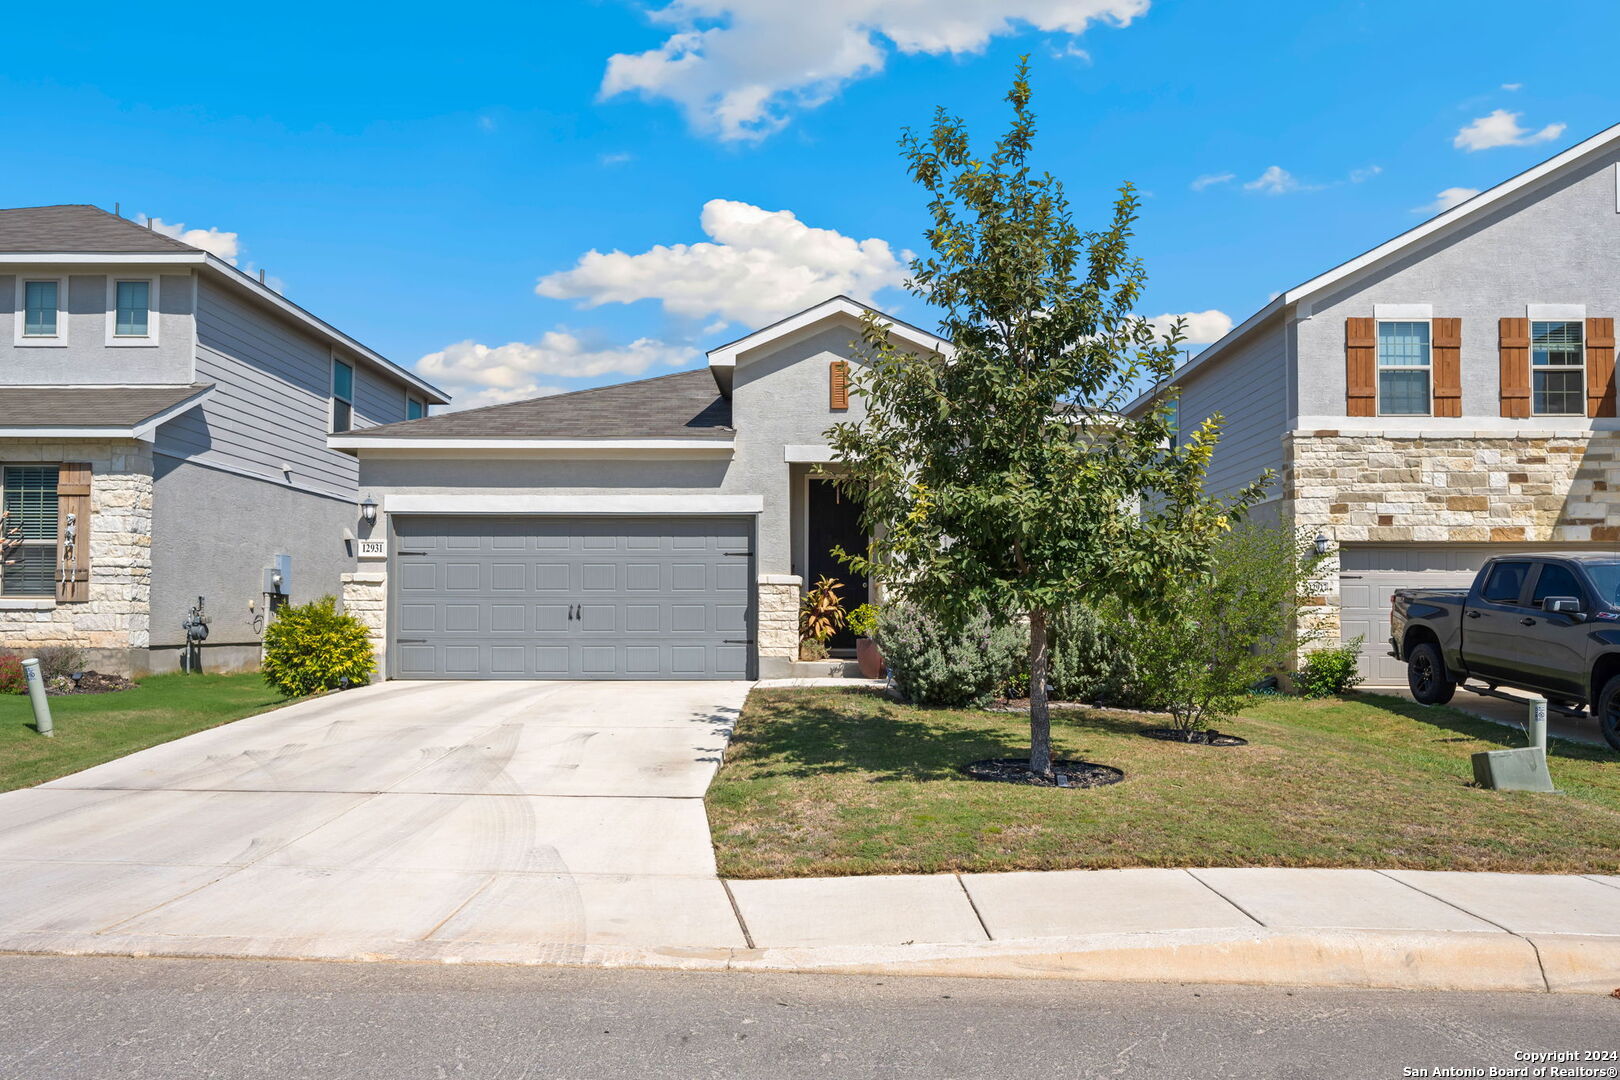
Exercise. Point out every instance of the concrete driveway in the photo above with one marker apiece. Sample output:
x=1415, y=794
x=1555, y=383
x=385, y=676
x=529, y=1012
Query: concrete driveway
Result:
x=518, y=821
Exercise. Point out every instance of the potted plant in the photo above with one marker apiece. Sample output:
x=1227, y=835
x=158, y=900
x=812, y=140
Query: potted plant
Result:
x=821, y=614
x=863, y=622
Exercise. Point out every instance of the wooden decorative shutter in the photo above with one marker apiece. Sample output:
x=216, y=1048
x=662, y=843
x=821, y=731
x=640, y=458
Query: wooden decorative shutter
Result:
x=1600, y=367
x=73, y=532
x=838, y=385
x=1361, y=367
x=1446, y=341
x=1514, y=350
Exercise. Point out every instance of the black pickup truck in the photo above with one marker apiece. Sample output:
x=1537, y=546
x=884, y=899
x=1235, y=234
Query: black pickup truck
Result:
x=1545, y=622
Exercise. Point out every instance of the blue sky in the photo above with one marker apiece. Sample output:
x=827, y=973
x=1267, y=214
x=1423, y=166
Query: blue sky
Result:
x=413, y=177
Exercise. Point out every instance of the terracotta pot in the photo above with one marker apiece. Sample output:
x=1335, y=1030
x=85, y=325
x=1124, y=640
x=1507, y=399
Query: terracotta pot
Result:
x=869, y=657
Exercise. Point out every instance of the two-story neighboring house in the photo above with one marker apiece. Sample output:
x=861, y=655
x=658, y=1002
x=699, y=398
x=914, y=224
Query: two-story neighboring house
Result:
x=658, y=529
x=1446, y=396
x=163, y=426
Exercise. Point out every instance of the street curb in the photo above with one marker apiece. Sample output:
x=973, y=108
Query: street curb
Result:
x=1365, y=959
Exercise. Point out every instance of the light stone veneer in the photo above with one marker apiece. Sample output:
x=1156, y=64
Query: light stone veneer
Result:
x=117, y=614
x=365, y=596
x=777, y=634
x=1451, y=487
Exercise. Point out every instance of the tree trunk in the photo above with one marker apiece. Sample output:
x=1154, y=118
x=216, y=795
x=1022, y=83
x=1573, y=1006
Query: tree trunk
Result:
x=1040, y=717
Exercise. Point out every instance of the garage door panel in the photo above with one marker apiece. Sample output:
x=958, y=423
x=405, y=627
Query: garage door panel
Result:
x=627, y=598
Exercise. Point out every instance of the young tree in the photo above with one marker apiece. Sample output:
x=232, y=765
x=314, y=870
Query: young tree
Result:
x=1001, y=475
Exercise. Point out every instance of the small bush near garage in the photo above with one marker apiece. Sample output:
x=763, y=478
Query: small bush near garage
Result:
x=314, y=647
x=1330, y=671
x=935, y=666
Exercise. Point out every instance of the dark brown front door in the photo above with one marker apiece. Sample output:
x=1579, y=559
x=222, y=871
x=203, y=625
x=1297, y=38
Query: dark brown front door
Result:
x=835, y=521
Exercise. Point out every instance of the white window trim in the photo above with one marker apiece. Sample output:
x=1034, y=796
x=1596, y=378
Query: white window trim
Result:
x=132, y=341
x=332, y=396
x=1378, y=368
x=55, y=341
x=1580, y=322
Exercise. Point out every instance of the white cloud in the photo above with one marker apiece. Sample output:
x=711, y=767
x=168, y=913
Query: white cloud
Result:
x=1202, y=327
x=1211, y=179
x=618, y=157
x=485, y=375
x=1512, y=86
x=486, y=124
x=1445, y=200
x=215, y=242
x=1276, y=180
x=1501, y=128
x=760, y=265
x=1359, y=175
x=738, y=68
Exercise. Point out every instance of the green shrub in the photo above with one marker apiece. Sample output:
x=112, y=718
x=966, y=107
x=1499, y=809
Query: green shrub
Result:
x=314, y=647
x=1329, y=671
x=863, y=620
x=932, y=666
x=1094, y=658
x=12, y=680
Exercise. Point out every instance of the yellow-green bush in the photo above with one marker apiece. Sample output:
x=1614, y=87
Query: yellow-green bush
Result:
x=314, y=647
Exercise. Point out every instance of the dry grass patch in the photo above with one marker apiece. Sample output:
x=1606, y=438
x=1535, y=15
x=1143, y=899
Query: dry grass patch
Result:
x=826, y=782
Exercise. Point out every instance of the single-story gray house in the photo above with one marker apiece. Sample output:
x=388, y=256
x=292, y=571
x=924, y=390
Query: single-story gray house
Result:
x=657, y=529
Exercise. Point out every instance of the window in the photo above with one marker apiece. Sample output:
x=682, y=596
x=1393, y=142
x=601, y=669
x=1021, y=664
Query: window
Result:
x=1505, y=583
x=342, y=396
x=415, y=408
x=1557, y=369
x=30, y=504
x=132, y=307
x=41, y=304
x=1403, y=368
x=1556, y=580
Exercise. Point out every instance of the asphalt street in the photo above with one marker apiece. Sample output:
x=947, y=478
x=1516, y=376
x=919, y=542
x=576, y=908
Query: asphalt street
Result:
x=138, y=1018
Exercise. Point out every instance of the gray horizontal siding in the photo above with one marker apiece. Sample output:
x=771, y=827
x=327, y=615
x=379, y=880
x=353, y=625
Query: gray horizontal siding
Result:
x=272, y=402
x=1248, y=388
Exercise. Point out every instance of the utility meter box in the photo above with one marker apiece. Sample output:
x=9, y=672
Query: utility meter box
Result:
x=278, y=576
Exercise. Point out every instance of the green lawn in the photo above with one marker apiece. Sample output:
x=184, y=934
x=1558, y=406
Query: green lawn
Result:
x=92, y=728
x=827, y=782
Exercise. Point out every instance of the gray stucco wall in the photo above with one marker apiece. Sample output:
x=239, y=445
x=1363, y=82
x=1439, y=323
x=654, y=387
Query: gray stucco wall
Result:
x=215, y=532
x=1556, y=244
x=779, y=400
x=86, y=359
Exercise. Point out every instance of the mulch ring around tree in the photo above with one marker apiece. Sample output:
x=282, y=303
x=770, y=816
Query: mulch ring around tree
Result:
x=1196, y=738
x=1065, y=774
x=91, y=682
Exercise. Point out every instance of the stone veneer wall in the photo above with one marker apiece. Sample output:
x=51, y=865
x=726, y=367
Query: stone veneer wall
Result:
x=777, y=634
x=1452, y=487
x=116, y=620
x=365, y=596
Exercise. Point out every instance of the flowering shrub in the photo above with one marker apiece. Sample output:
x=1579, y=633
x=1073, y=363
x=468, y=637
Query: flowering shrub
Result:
x=11, y=674
x=933, y=666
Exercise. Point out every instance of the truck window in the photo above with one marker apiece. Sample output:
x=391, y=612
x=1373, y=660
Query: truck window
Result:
x=1606, y=576
x=1505, y=583
x=1555, y=580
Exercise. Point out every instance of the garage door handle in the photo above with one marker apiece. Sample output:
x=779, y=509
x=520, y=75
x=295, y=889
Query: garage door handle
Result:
x=736, y=553
x=737, y=641
x=410, y=553
x=410, y=641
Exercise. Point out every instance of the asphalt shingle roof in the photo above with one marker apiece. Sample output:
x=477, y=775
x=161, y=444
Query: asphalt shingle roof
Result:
x=684, y=405
x=78, y=228
x=89, y=406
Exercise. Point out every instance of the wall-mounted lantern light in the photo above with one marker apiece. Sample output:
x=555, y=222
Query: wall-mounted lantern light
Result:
x=1321, y=543
x=368, y=511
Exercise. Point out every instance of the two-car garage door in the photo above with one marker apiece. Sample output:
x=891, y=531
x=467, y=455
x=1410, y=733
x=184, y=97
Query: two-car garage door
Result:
x=571, y=598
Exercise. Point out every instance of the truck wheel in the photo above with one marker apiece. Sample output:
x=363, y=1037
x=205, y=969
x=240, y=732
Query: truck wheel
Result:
x=1428, y=679
x=1607, y=711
